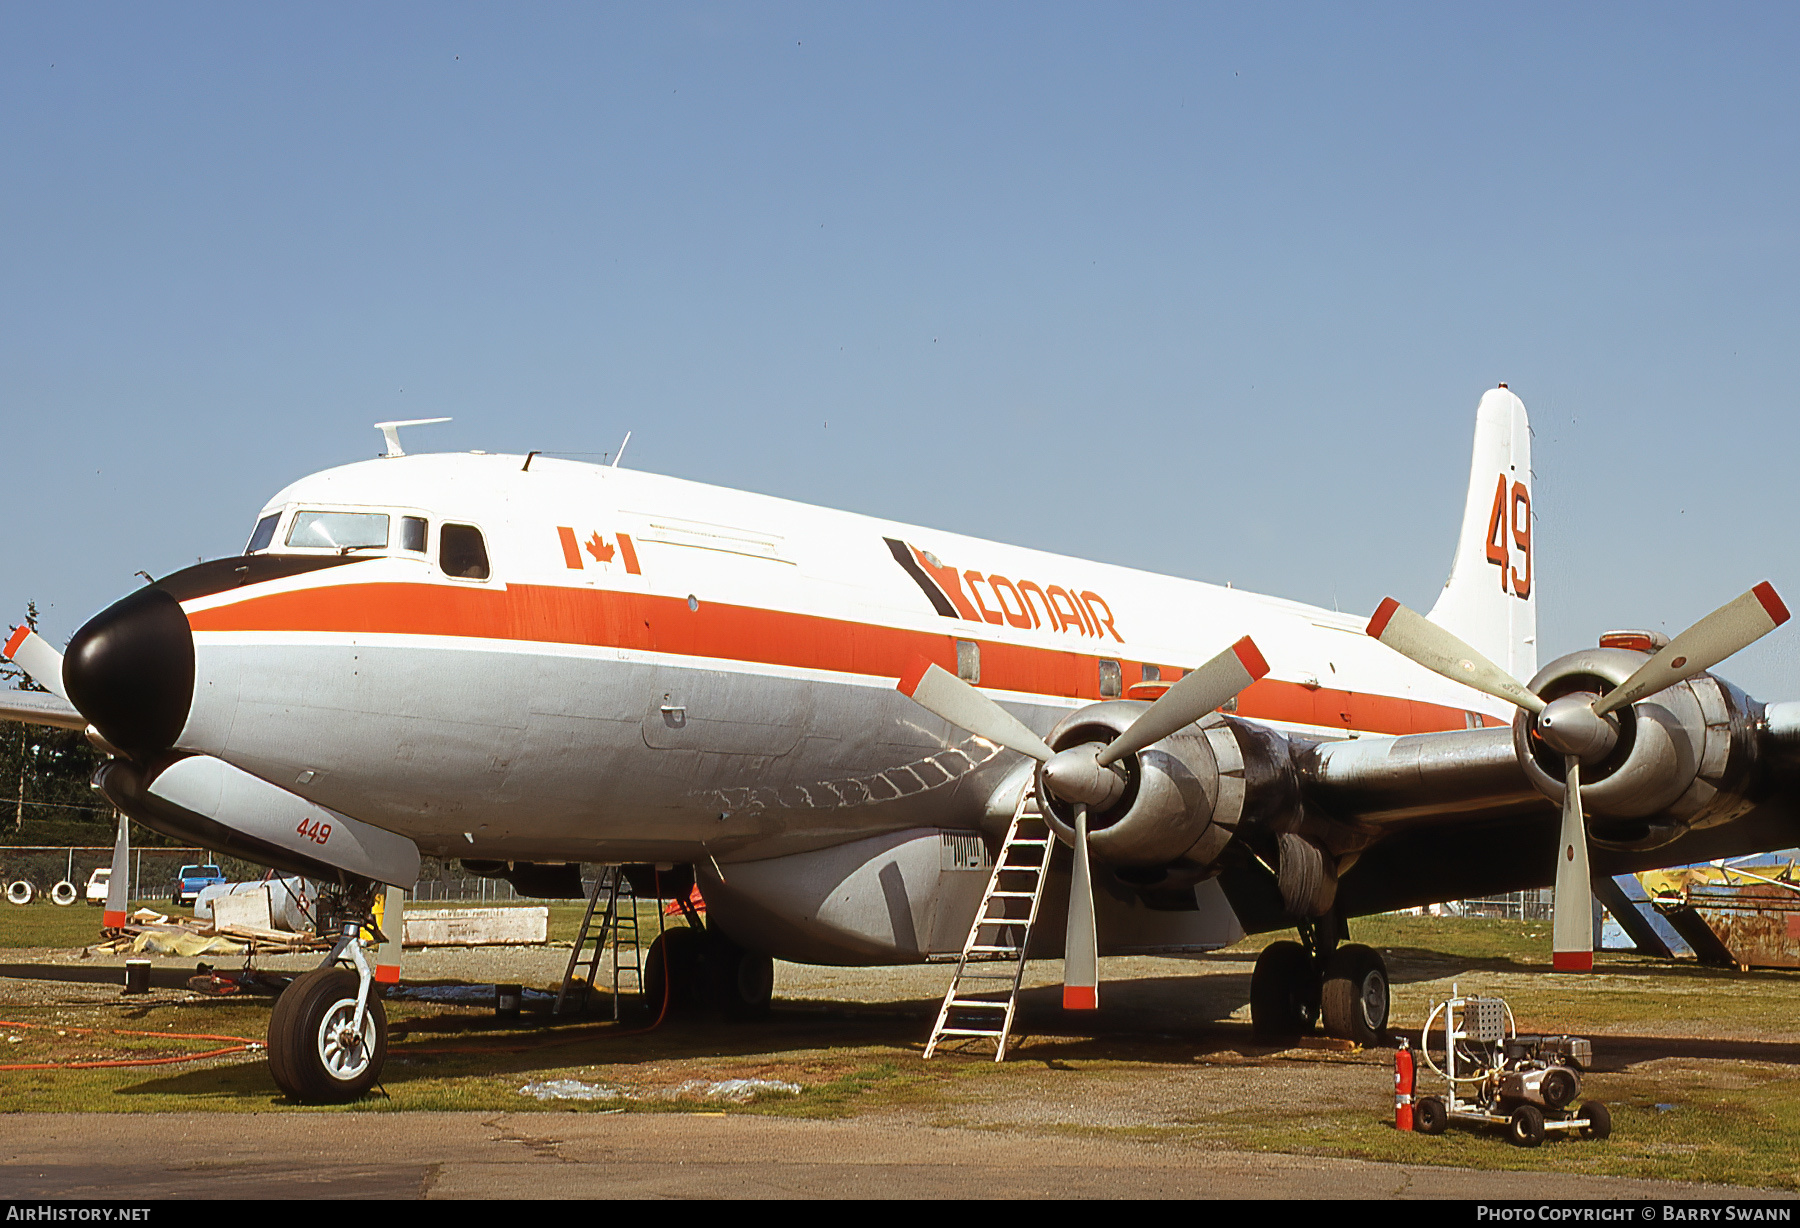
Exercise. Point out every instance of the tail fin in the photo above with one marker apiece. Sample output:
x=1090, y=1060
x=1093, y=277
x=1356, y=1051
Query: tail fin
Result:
x=1490, y=599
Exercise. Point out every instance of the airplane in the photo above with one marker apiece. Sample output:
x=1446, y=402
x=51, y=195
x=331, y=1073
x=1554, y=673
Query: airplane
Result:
x=828, y=722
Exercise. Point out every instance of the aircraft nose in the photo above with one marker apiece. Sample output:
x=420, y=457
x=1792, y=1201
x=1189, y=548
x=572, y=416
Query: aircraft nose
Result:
x=130, y=671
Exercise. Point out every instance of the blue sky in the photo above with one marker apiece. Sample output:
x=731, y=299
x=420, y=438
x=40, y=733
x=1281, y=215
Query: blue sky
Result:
x=1206, y=290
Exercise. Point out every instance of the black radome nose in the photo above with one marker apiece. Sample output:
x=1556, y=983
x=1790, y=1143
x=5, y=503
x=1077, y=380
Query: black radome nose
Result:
x=130, y=671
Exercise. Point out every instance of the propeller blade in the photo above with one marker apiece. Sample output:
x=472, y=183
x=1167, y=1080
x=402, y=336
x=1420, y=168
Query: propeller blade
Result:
x=1198, y=692
x=1572, y=924
x=1081, y=944
x=118, y=886
x=1737, y=624
x=32, y=653
x=942, y=693
x=1423, y=642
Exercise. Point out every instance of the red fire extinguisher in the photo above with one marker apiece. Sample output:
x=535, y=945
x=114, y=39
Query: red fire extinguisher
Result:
x=1403, y=1087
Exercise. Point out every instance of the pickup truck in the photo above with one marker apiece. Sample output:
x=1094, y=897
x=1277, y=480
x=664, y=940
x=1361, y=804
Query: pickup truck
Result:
x=192, y=880
x=97, y=884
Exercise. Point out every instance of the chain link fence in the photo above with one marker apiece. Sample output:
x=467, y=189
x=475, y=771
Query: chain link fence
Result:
x=442, y=880
x=1535, y=905
x=154, y=871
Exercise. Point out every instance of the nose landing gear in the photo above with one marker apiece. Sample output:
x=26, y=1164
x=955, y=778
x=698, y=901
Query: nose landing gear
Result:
x=328, y=1031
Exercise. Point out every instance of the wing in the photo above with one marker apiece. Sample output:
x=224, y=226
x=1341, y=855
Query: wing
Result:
x=40, y=708
x=1700, y=771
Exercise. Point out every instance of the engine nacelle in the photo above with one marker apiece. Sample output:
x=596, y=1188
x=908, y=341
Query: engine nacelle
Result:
x=1185, y=796
x=1682, y=760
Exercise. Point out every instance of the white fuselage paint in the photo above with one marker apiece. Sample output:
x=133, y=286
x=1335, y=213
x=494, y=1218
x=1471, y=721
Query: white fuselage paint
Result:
x=504, y=734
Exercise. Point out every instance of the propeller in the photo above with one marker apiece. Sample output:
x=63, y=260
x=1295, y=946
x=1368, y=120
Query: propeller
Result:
x=1581, y=727
x=32, y=653
x=1084, y=776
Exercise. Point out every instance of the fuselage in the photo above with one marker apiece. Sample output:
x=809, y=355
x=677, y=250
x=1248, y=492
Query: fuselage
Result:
x=561, y=661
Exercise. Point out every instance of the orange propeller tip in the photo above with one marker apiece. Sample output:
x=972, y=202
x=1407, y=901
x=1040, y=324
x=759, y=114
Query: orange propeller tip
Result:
x=1383, y=612
x=914, y=675
x=18, y=637
x=1250, y=656
x=1771, y=602
x=1081, y=997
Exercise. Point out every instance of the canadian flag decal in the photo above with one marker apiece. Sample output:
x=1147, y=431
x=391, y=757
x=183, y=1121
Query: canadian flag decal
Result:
x=597, y=546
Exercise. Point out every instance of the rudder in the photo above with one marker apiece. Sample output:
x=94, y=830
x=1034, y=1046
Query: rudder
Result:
x=1490, y=599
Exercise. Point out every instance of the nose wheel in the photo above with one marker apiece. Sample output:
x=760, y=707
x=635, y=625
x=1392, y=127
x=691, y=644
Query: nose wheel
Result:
x=316, y=1052
x=328, y=1031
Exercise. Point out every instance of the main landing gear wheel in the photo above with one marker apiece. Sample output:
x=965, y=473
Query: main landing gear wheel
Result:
x=314, y=1055
x=1354, y=998
x=739, y=982
x=677, y=960
x=1284, y=992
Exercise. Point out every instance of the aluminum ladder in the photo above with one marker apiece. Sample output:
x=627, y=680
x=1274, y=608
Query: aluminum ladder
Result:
x=985, y=990
x=619, y=922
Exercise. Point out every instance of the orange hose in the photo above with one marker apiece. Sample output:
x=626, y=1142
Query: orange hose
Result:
x=139, y=1061
x=244, y=1040
x=243, y=1043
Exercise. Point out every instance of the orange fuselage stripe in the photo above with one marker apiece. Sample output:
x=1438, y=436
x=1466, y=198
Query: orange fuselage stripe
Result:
x=600, y=618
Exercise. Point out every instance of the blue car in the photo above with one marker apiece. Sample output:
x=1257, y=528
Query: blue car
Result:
x=192, y=880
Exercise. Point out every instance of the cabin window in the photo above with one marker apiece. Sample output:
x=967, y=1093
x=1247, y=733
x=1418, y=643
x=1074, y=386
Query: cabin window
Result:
x=462, y=553
x=339, y=530
x=264, y=534
x=412, y=533
x=968, y=661
x=1152, y=674
x=1111, y=678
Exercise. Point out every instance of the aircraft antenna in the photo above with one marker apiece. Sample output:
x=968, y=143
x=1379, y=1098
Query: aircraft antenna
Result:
x=390, y=431
x=616, y=459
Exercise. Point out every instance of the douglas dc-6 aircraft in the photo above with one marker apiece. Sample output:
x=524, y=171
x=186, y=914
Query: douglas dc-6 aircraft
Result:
x=831, y=723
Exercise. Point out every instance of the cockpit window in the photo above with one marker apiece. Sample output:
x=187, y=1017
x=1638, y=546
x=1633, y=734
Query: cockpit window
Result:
x=412, y=533
x=462, y=553
x=339, y=530
x=265, y=533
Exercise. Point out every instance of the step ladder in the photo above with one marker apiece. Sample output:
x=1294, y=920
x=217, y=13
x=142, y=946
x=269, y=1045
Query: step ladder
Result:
x=617, y=922
x=983, y=993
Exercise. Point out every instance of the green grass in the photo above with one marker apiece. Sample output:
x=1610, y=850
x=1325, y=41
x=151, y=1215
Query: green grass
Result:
x=1665, y=1128
x=43, y=924
x=1686, y=1105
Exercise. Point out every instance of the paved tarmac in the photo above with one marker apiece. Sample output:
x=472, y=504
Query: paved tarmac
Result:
x=687, y=1155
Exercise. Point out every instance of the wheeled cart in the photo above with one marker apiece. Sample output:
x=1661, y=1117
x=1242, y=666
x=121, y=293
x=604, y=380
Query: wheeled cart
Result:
x=1495, y=1077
